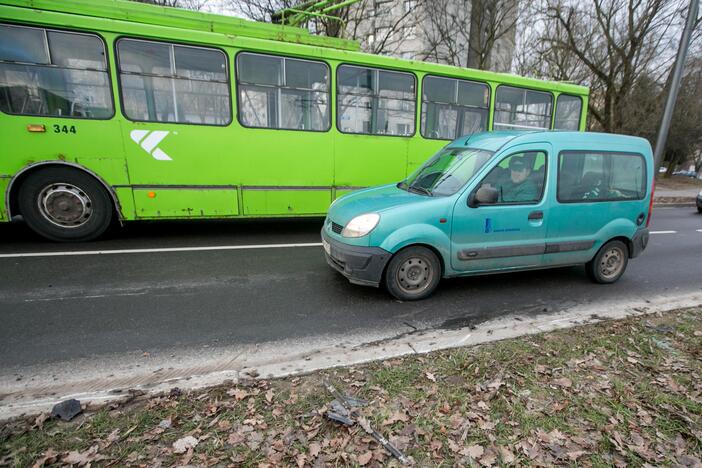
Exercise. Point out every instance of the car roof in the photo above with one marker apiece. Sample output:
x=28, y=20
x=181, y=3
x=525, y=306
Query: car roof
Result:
x=494, y=141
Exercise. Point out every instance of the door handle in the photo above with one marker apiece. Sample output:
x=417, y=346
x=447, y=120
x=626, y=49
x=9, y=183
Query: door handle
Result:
x=536, y=215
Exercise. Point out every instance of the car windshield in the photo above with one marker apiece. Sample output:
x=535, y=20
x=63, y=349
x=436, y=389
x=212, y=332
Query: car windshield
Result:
x=447, y=171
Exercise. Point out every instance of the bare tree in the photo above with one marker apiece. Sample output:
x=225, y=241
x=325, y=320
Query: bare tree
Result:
x=490, y=21
x=187, y=4
x=465, y=33
x=606, y=44
x=378, y=27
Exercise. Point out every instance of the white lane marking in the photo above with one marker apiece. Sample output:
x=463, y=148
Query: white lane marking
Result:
x=698, y=230
x=664, y=232
x=169, y=249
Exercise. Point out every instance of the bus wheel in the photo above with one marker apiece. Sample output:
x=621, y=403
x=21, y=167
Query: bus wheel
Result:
x=413, y=274
x=609, y=263
x=65, y=205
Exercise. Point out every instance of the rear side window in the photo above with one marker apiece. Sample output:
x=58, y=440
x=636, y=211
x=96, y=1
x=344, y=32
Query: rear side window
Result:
x=452, y=108
x=53, y=73
x=585, y=176
x=375, y=102
x=517, y=108
x=163, y=82
x=283, y=93
x=568, y=112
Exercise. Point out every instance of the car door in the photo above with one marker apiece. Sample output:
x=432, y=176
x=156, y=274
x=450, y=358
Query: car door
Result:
x=511, y=233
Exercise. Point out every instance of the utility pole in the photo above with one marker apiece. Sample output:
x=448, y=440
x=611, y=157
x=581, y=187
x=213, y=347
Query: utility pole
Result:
x=674, y=85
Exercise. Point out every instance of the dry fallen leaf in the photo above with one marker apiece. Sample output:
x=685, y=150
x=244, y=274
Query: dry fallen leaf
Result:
x=395, y=417
x=82, y=458
x=184, y=444
x=365, y=458
x=474, y=451
x=563, y=382
x=430, y=376
x=315, y=448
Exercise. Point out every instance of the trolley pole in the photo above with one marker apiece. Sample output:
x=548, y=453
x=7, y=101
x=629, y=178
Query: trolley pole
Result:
x=674, y=85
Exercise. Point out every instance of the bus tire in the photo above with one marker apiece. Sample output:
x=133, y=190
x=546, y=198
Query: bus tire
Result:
x=413, y=273
x=609, y=264
x=65, y=205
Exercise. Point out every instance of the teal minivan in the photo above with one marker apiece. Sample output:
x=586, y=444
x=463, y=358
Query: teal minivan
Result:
x=498, y=202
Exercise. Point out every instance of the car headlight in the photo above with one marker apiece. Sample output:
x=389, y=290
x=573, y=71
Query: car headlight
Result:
x=361, y=225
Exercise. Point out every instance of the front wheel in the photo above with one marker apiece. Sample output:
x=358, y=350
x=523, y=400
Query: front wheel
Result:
x=413, y=274
x=63, y=204
x=609, y=263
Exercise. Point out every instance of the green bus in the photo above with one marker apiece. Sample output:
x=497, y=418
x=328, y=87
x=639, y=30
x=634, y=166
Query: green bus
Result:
x=115, y=111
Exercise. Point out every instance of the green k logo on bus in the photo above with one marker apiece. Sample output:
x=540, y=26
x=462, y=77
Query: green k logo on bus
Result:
x=149, y=140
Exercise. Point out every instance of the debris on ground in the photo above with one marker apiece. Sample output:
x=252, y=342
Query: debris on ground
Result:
x=346, y=411
x=616, y=393
x=67, y=409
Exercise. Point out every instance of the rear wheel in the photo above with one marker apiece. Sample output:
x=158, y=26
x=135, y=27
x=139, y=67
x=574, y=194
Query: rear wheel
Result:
x=63, y=204
x=609, y=263
x=413, y=274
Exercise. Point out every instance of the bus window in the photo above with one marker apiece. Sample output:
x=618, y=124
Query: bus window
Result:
x=163, y=82
x=568, y=112
x=451, y=108
x=375, y=102
x=53, y=73
x=517, y=108
x=283, y=93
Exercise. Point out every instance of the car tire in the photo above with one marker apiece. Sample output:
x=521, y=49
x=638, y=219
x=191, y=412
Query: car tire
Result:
x=609, y=264
x=413, y=273
x=699, y=209
x=65, y=205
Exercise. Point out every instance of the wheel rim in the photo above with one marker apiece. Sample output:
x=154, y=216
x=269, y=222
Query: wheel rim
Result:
x=414, y=275
x=65, y=205
x=612, y=262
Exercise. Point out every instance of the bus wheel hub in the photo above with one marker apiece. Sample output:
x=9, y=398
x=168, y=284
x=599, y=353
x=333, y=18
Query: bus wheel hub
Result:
x=65, y=205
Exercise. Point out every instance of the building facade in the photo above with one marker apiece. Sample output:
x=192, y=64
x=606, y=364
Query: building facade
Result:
x=465, y=33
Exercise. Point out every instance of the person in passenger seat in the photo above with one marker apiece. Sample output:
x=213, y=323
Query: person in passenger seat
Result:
x=519, y=187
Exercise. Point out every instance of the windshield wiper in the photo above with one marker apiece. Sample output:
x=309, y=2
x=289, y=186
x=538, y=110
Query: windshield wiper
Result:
x=419, y=189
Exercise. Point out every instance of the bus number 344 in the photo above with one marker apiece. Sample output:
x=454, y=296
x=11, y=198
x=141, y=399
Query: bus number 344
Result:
x=64, y=129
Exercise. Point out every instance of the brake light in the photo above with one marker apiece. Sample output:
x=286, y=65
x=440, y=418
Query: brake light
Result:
x=650, y=204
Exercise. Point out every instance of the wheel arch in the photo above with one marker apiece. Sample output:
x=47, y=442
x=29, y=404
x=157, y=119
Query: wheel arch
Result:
x=627, y=241
x=436, y=252
x=11, y=194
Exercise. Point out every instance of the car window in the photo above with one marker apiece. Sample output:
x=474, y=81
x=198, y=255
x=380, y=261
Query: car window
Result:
x=518, y=178
x=587, y=176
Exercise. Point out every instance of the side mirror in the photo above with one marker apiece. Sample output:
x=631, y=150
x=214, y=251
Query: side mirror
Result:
x=483, y=196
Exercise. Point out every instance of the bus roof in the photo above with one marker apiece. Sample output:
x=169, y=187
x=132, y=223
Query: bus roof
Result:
x=213, y=29
x=184, y=19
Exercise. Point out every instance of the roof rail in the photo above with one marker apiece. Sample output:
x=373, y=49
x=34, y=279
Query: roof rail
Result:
x=185, y=19
x=303, y=12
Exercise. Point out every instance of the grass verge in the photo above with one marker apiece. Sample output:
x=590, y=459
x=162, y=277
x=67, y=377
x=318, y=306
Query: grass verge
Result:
x=624, y=392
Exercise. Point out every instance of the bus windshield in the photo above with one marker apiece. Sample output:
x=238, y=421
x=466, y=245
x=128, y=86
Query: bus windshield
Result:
x=447, y=171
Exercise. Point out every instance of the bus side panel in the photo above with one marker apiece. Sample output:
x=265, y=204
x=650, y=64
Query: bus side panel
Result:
x=284, y=172
x=93, y=144
x=365, y=160
x=4, y=182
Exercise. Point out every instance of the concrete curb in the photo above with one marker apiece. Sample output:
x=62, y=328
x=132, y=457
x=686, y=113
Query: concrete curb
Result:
x=283, y=359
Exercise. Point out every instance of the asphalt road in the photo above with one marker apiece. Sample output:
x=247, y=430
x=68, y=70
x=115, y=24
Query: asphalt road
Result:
x=59, y=308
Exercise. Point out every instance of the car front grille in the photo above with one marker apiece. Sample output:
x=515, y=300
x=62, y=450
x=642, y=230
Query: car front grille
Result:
x=337, y=228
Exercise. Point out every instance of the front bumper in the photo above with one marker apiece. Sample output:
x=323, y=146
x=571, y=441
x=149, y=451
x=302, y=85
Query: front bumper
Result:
x=639, y=242
x=361, y=265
